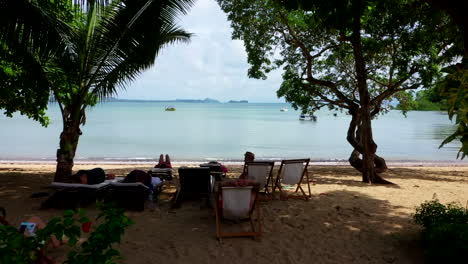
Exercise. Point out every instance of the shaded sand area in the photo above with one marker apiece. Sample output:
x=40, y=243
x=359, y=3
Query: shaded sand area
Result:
x=346, y=221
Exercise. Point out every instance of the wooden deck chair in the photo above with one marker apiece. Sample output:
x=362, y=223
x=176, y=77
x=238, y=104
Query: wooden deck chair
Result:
x=237, y=200
x=261, y=172
x=292, y=172
x=194, y=182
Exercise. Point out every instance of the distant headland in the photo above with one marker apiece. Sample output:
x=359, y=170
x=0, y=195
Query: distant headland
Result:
x=205, y=101
x=238, y=102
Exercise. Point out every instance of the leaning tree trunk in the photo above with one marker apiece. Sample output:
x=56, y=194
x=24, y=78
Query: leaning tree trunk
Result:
x=68, y=144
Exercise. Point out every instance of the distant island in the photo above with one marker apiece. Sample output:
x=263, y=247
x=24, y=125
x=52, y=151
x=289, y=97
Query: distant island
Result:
x=238, y=102
x=205, y=101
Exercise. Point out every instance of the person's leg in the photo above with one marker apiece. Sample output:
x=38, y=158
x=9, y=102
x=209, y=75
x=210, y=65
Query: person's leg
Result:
x=168, y=161
x=160, y=162
x=40, y=224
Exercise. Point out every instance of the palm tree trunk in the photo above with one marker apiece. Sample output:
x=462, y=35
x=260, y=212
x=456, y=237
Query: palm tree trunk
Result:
x=68, y=145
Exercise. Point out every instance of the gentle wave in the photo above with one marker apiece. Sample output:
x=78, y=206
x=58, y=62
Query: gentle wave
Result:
x=318, y=162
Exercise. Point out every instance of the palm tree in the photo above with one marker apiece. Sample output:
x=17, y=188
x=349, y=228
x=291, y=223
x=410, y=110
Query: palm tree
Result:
x=105, y=45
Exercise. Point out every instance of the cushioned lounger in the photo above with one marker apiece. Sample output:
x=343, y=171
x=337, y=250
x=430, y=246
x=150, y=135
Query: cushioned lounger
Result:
x=73, y=195
x=63, y=185
x=163, y=173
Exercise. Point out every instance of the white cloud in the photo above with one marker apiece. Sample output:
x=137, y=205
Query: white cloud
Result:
x=211, y=65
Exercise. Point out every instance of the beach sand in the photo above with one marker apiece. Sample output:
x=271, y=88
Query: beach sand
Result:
x=345, y=221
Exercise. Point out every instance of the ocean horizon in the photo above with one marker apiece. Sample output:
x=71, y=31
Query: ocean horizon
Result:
x=137, y=132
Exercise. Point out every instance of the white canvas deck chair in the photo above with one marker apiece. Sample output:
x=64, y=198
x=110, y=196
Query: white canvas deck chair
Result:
x=262, y=173
x=237, y=201
x=292, y=172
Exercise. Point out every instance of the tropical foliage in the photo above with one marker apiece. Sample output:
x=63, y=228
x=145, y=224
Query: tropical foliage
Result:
x=354, y=56
x=100, y=47
x=109, y=227
x=425, y=100
x=445, y=231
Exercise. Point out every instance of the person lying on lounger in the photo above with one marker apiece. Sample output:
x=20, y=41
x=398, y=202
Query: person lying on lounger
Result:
x=93, y=176
x=162, y=163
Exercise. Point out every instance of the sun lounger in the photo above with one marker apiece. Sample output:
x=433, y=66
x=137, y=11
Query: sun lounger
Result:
x=237, y=201
x=74, y=195
x=163, y=173
x=132, y=196
x=293, y=172
x=261, y=172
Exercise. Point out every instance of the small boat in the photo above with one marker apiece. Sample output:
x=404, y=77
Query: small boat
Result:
x=170, y=108
x=305, y=117
x=283, y=109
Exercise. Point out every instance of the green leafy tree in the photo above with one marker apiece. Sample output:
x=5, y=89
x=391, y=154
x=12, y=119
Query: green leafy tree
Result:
x=29, y=34
x=103, y=46
x=455, y=84
x=429, y=99
x=354, y=56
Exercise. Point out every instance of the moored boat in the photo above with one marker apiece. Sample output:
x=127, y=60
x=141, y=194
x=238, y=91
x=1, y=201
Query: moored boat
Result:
x=305, y=117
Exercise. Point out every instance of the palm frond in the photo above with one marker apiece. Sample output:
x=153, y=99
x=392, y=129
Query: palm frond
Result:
x=131, y=38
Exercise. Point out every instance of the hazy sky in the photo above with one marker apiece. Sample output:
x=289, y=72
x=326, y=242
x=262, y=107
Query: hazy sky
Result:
x=211, y=65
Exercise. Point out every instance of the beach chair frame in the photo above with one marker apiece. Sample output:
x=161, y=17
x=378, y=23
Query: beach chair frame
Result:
x=305, y=174
x=256, y=230
x=269, y=179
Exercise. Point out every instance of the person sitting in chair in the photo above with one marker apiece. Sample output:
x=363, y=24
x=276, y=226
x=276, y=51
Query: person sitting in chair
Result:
x=248, y=157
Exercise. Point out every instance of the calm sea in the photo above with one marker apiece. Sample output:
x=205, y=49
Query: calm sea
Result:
x=140, y=131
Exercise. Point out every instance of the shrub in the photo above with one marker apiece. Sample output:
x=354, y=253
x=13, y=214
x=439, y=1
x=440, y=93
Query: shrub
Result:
x=445, y=231
x=98, y=247
x=17, y=248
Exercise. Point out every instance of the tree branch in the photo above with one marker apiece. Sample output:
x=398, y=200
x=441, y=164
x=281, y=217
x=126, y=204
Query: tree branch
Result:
x=393, y=88
x=324, y=98
x=306, y=53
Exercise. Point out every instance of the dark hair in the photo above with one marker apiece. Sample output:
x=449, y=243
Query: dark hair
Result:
x=77, y=176
x=249, y=154
x=80, y=173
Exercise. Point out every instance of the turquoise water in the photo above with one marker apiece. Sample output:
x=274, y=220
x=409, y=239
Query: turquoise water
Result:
x=142, y=130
